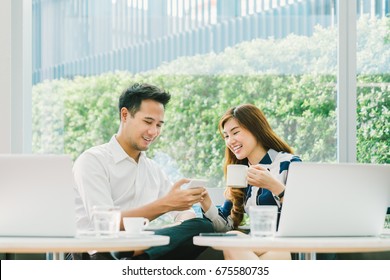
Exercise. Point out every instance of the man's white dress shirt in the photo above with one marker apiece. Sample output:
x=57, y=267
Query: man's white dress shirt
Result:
x=106, y=175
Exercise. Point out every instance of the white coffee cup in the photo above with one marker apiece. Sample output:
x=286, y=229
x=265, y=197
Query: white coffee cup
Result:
x=236, y=176
x=106, y=220
x=135, y=225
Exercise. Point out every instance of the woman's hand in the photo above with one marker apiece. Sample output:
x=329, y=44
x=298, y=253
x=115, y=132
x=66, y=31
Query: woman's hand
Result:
x=205, y=201
x=261, y=177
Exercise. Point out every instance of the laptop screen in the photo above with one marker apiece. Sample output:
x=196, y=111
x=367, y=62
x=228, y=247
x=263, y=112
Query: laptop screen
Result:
x=36, y=196
x=335, y=200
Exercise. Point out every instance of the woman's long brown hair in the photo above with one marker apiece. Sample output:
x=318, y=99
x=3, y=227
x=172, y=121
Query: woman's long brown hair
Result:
x=252, y=119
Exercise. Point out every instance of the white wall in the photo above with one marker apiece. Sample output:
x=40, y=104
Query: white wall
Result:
x=5, y=76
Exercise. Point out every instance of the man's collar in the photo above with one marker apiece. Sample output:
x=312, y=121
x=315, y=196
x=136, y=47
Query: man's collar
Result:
x=118, y=153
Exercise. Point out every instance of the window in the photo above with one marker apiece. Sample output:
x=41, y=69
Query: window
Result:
x=279, y=55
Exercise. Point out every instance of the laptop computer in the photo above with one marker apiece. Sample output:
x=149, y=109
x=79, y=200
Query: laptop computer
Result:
x=324, y=199
x=37, y=196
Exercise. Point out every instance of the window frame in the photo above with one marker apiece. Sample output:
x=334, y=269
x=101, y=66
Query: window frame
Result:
x=16, y=76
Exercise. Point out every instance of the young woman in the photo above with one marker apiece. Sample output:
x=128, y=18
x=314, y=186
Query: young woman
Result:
x=250, y=140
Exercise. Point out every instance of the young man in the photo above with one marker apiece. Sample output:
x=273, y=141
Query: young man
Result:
x=119, y=173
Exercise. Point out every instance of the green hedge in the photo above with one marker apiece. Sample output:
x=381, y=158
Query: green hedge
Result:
x=72, y=115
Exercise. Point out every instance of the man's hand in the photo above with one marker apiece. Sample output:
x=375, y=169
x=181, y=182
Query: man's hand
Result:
x=175, y=200
x=179, y=200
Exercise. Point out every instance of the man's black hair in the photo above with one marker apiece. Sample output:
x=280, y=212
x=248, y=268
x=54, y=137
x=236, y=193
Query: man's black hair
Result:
x=132, y=97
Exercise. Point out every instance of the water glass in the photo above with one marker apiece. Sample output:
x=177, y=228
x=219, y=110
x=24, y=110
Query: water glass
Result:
x=106, y=220
x=263, y=220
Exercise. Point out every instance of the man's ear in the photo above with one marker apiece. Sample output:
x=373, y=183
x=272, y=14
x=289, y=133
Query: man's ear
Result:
x=124, y=114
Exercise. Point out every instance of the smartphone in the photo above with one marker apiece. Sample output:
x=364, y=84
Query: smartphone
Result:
x=196, y=183
x=220, y=234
